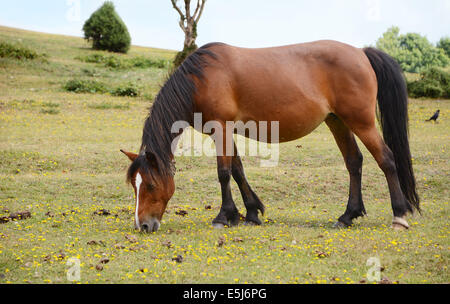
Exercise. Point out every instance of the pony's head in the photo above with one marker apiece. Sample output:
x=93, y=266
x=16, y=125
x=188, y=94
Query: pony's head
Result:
x=152, y=190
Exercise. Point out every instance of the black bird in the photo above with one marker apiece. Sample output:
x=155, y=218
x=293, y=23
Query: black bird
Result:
x=435, y=116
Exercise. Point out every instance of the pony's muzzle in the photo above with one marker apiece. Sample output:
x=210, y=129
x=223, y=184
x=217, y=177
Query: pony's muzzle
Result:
x=151, y=225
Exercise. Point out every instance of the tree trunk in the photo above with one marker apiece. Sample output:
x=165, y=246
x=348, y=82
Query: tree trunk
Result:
x=189, y=36
x=188, y=23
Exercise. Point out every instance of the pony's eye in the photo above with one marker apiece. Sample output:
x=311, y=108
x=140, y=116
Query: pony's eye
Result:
x=150, y=187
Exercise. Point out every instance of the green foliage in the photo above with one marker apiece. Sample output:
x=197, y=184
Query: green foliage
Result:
x=116, y=62
x=85, y=86
x=17, y=52
x=433, y=83
x=444, y=44
x=96, y=87
x=129, y=89
x=183, y=55
x=93, y=58
x=107, y=30
x=412, y=51
x=142, y=62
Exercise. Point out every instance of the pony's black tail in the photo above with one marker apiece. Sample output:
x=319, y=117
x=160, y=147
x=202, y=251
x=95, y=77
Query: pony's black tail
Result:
x=393, y=107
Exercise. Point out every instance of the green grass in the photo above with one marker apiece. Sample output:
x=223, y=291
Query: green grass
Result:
x=109, y=105
x=66, y=166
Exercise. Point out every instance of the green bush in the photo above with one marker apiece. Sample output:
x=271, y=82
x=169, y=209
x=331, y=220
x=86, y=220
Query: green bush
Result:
x=129, y=89
x=107, y=30
x=96, y=87
x=17, y=52
x=433, y=83
x=412, y=51
x=93, y=58
x=142, y=62
x=116, y=62
x=444, y=44
x=85, y=86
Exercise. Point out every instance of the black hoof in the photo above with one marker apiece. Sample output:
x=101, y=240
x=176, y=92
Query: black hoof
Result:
x=223, y=221
x=252, y=218
x=252, y=221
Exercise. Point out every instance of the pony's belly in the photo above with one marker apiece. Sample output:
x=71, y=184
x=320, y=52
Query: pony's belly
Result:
x=281, y=129
x=296, y=120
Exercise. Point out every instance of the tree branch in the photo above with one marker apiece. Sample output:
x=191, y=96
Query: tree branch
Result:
x=201, y=10
x=174, y=3
x=196, y=9
x=187, y=7
x=182, y=26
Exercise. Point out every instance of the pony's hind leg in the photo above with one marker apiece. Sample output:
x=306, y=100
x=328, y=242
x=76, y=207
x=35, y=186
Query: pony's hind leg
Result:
x=353, y=161
x=251, y=200
x=385, y=159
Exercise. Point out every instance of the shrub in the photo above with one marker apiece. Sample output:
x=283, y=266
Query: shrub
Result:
x=433, y=83
x=93, y=58
x=91, y=86
x=412, y=51
x=107, y=30
x=17, y=52
x=116, y=62
x=142, y=62
x=85, y=86
x=129, y=89
x=444, y=44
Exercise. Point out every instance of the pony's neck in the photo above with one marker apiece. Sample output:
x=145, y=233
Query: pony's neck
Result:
x=167, y=120
x=174, y=105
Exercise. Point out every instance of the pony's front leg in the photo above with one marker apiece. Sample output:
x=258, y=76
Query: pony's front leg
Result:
x=251, y=200
x=228, y=215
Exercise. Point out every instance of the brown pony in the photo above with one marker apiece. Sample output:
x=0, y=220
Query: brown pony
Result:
x=299, y=86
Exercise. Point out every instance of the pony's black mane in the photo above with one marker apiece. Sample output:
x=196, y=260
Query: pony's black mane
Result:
x=173, y=103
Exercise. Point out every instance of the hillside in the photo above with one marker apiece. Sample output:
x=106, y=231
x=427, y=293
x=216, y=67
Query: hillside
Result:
x=38, y=78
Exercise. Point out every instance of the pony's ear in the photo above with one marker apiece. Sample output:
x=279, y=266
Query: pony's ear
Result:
x=131, y=156
x=151, y=158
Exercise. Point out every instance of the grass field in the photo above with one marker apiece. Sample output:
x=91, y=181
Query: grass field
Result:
x=60, y=160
